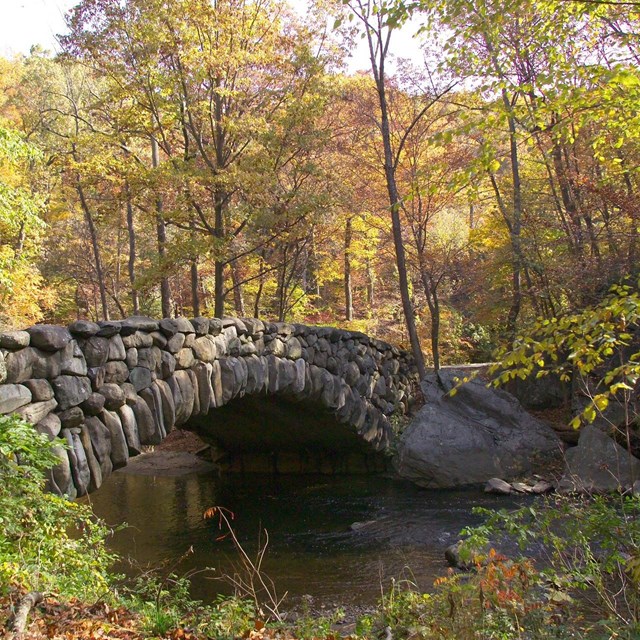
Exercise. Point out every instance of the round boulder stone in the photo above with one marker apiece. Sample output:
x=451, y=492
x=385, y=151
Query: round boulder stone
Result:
x=84, y=328
x=49, y=337
x=171, y=326
x=93, y=405
x=113, y=395
x=13, y=340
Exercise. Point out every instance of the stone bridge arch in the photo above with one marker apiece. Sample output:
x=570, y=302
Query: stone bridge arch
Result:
x=109, y=388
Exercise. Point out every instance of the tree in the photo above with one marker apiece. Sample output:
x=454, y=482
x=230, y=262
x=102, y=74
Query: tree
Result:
x=24, y=297
x=537, y=118
x=212, y=79
x=378, y=36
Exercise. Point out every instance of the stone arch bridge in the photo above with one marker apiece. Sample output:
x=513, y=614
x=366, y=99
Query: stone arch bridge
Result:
x=109, y=388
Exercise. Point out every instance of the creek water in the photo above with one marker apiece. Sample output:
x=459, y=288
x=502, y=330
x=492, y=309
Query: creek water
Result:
x=337, y=540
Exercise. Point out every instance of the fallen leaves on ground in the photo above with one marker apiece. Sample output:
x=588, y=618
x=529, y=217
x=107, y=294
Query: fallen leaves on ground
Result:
x=73, y=620
x=54, y=620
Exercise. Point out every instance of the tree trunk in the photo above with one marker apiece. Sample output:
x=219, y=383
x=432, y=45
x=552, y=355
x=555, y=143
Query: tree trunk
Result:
x=516, y=223
x=398, y=242
x=348, y=294
x=18, y=622
x=568, y=200
x=96, y=250
x=195, y=294
x=256, y=304
x=281, y=292
x=433, y=302
x=131, y=265
x=434, y=307
x=238, y=298
x=161, y=234
x=378, y=48
x=311, y=278
x=219, y=264
x=371, y=281
x=220, y=198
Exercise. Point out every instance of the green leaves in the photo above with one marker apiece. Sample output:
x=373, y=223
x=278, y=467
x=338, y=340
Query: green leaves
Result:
x=583, y=345
x=47, y=543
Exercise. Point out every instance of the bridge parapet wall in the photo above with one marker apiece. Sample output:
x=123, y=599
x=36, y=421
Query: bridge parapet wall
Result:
x=109, y=388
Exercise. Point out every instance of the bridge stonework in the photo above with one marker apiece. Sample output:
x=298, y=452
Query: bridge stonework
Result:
x=109, y=388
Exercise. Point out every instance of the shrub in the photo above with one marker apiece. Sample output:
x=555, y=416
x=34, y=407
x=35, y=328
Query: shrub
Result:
x=590, y=550
x=47, y=543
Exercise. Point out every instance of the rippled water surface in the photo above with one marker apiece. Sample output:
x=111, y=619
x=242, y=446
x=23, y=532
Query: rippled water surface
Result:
x=314, y=546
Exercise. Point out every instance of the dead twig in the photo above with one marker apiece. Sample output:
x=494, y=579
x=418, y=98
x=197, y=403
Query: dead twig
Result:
x=249, y=580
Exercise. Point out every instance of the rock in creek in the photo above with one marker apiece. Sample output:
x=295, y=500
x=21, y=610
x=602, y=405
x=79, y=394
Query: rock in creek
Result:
x=496, y=485
x=477, y=434
x=598, y=465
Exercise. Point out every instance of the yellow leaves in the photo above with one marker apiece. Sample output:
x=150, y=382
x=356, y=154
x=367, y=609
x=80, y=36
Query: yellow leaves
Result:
x=589, y=414
x=601, y=402
x=24, y=295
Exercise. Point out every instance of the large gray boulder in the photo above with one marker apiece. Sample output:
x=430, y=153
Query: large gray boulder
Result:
x=477, y=434
x=14, y=340
x=598, y=465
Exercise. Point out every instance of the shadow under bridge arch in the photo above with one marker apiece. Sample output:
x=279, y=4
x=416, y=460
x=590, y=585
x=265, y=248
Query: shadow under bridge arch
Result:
x=273, y=414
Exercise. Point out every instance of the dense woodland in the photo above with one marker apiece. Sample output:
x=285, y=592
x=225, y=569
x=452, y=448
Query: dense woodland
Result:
x=215, y=158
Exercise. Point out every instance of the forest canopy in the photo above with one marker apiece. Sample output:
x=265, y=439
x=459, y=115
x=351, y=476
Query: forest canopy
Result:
x=216, y=158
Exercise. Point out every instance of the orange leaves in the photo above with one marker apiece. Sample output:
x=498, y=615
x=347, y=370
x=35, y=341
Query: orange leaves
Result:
x=224, y=516
x=220, y=512
x=504, y=583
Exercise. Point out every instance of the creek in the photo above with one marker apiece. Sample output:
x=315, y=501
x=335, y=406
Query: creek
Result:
x=315, y=550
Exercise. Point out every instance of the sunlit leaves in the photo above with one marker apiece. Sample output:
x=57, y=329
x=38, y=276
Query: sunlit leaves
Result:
x=591, y=345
